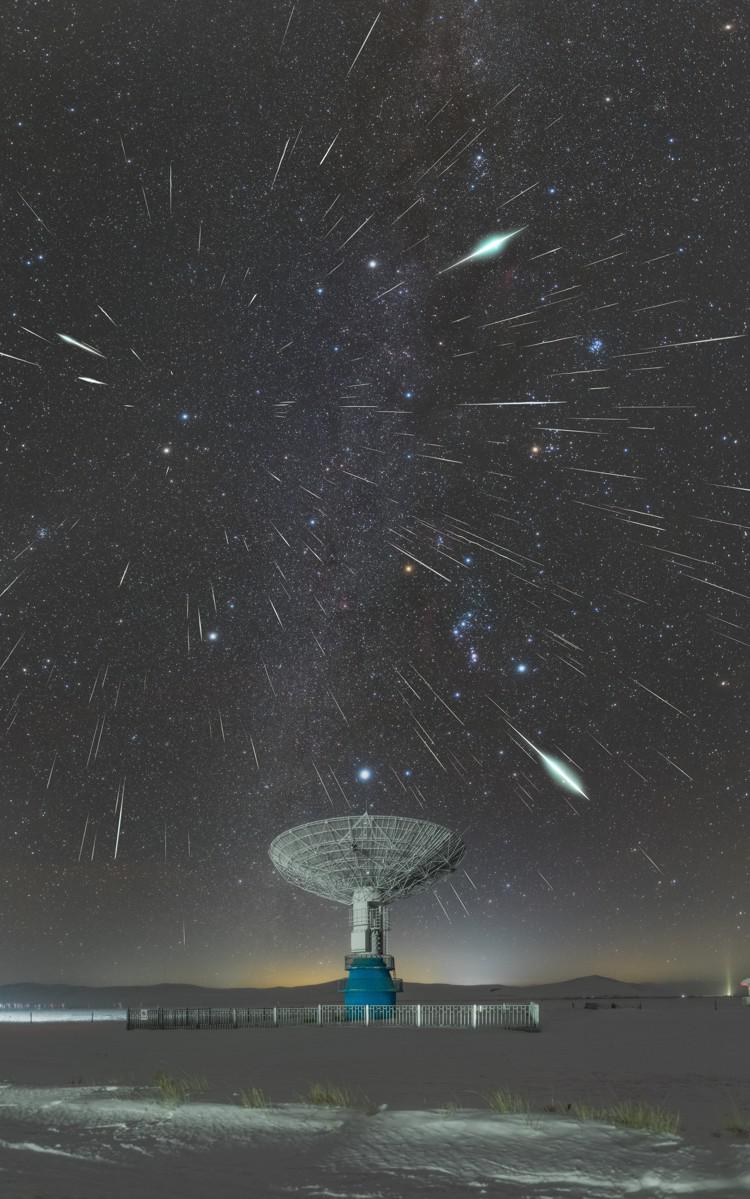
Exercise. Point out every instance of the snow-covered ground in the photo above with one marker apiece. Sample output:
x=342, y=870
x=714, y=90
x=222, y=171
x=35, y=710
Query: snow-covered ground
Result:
x=80, y=1118
x=86, y=1143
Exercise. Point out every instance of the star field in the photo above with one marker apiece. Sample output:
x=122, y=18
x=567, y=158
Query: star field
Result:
x=310, y=502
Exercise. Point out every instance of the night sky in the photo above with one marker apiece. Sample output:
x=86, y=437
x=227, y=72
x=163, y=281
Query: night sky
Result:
x=311, y=524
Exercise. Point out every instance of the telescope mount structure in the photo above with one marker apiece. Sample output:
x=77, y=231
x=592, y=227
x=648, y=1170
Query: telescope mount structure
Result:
x=366, y=862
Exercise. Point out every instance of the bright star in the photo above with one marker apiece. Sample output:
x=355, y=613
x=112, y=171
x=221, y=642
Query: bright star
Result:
x=364, y=774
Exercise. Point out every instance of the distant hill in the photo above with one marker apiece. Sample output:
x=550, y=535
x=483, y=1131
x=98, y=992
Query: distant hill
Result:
x=187, y=995
x=600, y=985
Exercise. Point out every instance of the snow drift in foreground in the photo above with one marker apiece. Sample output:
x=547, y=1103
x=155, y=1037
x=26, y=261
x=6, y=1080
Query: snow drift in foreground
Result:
x=91, y=1141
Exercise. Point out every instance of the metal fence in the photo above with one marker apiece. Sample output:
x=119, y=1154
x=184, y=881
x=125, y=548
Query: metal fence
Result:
x=411, y=1015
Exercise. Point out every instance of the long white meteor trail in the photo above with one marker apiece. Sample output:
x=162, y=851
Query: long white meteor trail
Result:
x=15, y=359
x=367, y=36
x=328, y=151
x=81, y=345
x=557, y=770
x=36, y=214
x=514, y=404
x=487, y=248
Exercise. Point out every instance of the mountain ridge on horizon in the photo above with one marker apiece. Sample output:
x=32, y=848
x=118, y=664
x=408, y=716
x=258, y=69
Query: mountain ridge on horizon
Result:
x=165, y=994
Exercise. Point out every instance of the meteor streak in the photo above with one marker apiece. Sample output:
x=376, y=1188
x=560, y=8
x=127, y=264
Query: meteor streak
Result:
x=81, y=345
x=487, y=248
x=514, y=404
x=557, y=770
x=15, y=359
x=35, y=213
x=328, y=151
x=367, y=35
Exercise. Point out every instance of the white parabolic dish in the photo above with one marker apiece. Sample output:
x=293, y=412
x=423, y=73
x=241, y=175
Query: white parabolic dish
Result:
x=393, y=855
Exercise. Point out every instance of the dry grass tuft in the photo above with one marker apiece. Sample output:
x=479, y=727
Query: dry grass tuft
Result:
x=177, y=1090
x=327, y=1094
x=626, y=1113
x=630, y=1113
x=253, y=1097
x=507, y=1104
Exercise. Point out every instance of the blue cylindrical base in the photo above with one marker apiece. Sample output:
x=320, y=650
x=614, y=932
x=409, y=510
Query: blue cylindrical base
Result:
x=369, y=982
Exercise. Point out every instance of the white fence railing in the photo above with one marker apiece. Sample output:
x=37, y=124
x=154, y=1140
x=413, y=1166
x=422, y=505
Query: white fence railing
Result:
x=411, y=1015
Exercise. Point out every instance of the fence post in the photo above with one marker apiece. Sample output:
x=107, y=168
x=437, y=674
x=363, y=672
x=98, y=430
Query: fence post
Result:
x=419, y=1015
x=473, y=1015
x=276, y=1017
x=320, y=1013
x=234, y=1017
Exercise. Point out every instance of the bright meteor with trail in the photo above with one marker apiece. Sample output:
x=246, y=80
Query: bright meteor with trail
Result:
x=80, y=345
x=557, y=770
x=487, y=248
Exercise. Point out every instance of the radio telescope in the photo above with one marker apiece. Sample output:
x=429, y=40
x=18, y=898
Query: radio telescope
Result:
x=365, y=862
